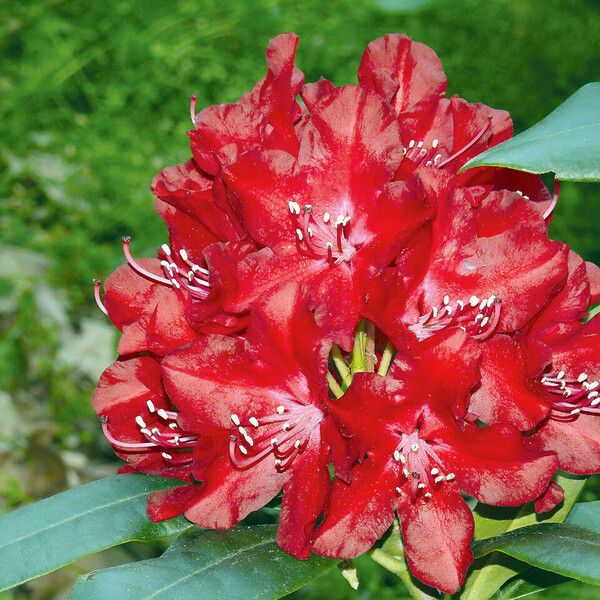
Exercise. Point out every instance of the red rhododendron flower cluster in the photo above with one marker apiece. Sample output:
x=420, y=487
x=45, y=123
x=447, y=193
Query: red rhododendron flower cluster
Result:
x=316, y=225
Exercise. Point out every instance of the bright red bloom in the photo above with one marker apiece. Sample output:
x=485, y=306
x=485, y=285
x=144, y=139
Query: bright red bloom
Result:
x=485, y=264
x=293, y=221
x=414, y=457
x=258, y=405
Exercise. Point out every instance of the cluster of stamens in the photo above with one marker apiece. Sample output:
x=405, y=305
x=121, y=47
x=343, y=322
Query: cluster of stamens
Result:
x=575, y=396
x=321, y=237
x=282, y=435
x=188, y=275
x=161, y=433
x=477, y=317
x=422, y=468
x=419, y=154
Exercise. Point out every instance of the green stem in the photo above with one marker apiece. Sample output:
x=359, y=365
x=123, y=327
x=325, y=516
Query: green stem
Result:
x=357, y=363
x=341, y=366
x=334, y=386
x=370, y=357
x=386, y=360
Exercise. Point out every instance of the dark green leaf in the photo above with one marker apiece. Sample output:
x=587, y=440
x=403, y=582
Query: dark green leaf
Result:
x=242, y=563
x=566, y=142
x=529, y=582
x=558, y=547
x=586, y=515
x=44, y=536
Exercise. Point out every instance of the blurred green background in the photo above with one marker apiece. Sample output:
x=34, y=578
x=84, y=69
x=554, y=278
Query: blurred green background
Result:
x=94, y=101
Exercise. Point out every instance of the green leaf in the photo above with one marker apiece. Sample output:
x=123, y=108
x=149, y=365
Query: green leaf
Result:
x=489, y=574
x=240, y=563
x=49, y=534
x=558, y=547
x=566, y=142
x=586, y=515
x=529, y=582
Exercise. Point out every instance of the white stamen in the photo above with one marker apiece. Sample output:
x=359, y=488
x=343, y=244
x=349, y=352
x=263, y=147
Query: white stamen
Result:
x=450, y=476
x=439, y=478
x=434, y=143
x=166, y=249
x=150, y=406
x=172, y=425
x=297, y=444
x=560, y=375
x=183, y=254
x=427, y=495
x=162, y=413
x=473, y=301
x=280, y=409
x=273, y=441
x=420, y=486
x=299, y=234
x=140, y=421
x=415, y=447
x=484, y=322
x=235, y=419
x=326, y=217
x=396, y=455
x=411, y=144
x=242, y=449
x=253, y=421
x=435, y=471
x=582, y=377
x=167, y=456
x=446, y=299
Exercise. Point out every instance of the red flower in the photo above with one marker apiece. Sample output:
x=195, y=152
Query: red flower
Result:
x=291, y=223
x=484, y=264
x=258, y=406
x=414, y=457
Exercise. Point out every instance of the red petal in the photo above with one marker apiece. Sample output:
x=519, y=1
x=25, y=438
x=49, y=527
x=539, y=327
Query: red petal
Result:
x=358, y=514
x=437, y=537
x=168, y=504
x=492, y=464
x=506, y=396
x=349, y=150
x=498, y=246
x=577, y=443
x=304, y=498
x=571, y=302
x=593, y=273
x=408, y=74
x=188, y=190
x=285, y=349
x=314, y=92
x=550, y=499
x=151, y=315
x=229, y=494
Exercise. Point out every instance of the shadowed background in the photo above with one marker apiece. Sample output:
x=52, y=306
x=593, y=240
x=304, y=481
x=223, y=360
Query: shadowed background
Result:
x=94, y=101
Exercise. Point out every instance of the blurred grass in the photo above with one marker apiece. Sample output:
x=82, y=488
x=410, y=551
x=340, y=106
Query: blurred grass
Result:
x=94, y=101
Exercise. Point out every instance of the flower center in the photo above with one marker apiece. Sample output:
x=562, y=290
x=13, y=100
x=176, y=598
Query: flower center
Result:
x=422, y=468
x=282, y=435
x=477, y=317
x=189, y=276
x=161, y=433
x=569, y=397
x=321, y=237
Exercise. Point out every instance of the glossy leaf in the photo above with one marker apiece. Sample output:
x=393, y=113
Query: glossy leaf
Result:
x=529, y=582
x=490, y=573
x=561, y=548
x=566, y=142
x=49, y=534
x=240, y=563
